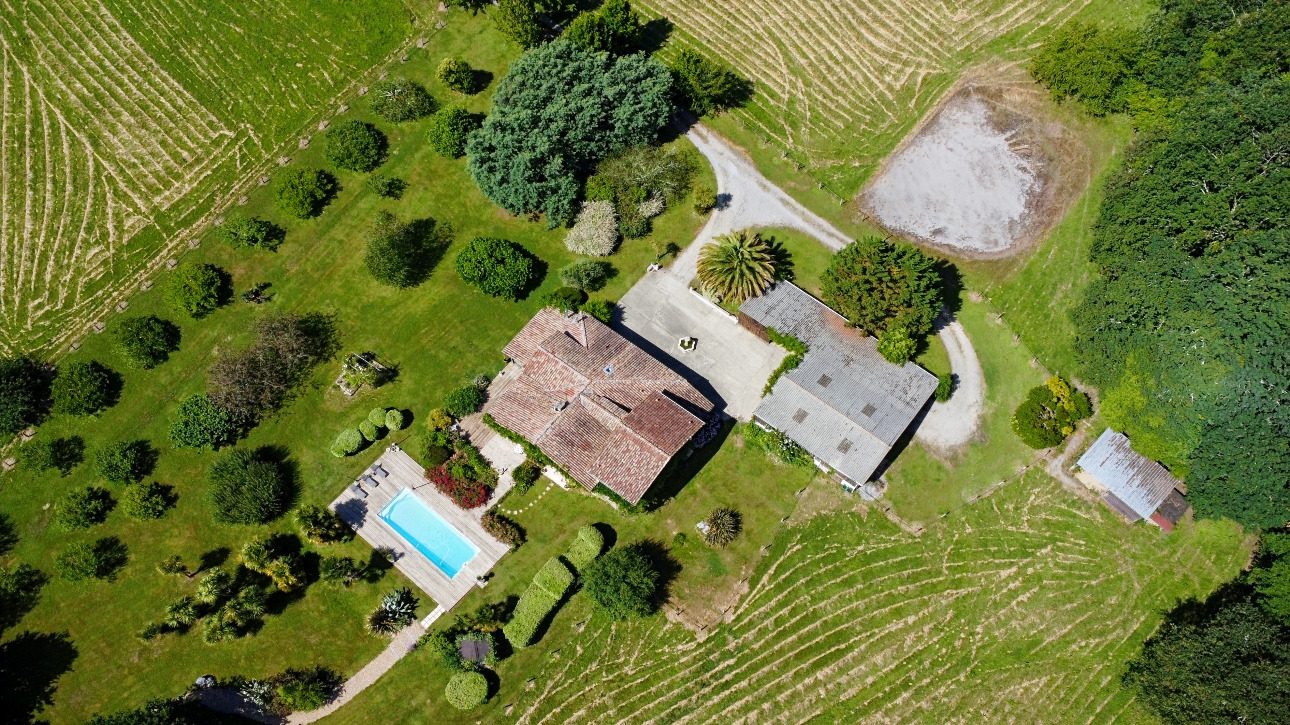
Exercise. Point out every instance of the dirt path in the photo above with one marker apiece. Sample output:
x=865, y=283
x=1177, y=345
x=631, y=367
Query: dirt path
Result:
x=750, y=200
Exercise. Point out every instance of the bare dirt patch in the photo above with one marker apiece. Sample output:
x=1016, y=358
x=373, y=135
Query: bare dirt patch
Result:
x=986, y=175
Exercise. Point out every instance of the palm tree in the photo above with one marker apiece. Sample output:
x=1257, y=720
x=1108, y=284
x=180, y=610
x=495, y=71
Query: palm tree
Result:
x=737, y=266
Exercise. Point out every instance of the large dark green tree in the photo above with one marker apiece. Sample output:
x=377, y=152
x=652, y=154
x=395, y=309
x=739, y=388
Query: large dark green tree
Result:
x=246, y=488
x=876, y=284
x=558, y=111
x=622, y=583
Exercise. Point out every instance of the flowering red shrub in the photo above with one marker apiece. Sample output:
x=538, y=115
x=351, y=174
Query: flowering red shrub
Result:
x=466, y=494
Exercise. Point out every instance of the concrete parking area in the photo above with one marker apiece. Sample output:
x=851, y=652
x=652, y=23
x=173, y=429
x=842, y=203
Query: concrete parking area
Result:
x=729, y=365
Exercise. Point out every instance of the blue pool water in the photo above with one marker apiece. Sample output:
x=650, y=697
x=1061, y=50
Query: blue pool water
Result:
x=428, y=533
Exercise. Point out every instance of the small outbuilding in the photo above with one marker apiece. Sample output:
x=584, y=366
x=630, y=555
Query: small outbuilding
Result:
x=1131, y=484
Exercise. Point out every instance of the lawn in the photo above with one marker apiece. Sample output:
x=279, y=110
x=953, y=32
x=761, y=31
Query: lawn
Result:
x=438, y=335
x=141, y=117
x=1029, y=603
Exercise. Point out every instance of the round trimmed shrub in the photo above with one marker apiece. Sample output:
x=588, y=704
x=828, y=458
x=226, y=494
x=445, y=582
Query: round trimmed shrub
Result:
x=82, y=388
x=355, y=146
x=145, y=342
x=368, y=430
x=622, y=583
x=377, y=416
x=595, y=233
x=394, y=419
x=399, y=99
x=193, y=290
x=82, y=508
x=448, y=129
x=242, y=231
x=496, y=267
x=123, y=461
x=247, y=490
x=200, y=423
x=145, y=501
x=300, y=192
x=602, y=310
x=348, y=442
x=456, y=74
x=586, y=274
x=467, y=690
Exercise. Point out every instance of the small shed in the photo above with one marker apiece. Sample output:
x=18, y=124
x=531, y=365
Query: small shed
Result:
x=1131, y=484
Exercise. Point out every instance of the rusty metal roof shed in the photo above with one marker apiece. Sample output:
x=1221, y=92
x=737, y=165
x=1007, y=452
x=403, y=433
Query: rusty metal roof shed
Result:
x=1139, y=482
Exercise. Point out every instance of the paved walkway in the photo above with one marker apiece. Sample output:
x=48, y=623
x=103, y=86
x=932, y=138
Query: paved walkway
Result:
x=402, y=644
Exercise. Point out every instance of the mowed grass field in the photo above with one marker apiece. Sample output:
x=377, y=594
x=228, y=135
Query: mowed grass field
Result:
x=839, y=84
x=438, y=335
x=123, y=123
x=1022, y=608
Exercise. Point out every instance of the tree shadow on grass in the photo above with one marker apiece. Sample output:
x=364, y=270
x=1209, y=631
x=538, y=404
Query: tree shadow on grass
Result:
x=213, y=558
x=30, y=665
x=8, y=534
x=113, y=555
x=655, y=34
x=667, y=566
x=280, y=456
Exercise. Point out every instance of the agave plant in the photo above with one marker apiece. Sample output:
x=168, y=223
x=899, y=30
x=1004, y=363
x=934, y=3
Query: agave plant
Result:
x=396, y=611
x=737, y=266
x=723, y=526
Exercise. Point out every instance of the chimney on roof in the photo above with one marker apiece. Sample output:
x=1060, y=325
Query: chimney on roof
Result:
x=558, y=406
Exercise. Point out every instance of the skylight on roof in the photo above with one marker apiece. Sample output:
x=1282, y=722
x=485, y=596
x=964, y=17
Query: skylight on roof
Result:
x=799, y=416
x=609, y=369
x=824, y=381
x=844, y=446
x=868, y=410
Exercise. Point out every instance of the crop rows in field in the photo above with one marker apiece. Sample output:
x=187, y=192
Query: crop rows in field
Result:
x=125, y=121
x=834, y=74
x=1024, y=609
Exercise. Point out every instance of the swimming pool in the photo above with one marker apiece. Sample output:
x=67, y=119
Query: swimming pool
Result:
x=428, y=533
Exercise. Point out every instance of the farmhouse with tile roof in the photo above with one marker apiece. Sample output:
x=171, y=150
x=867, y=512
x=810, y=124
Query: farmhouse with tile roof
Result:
x=603, y=409
x=845, y=404
x=1131, y=484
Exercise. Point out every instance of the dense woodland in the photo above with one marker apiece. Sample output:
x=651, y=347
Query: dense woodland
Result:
x=1187, y=332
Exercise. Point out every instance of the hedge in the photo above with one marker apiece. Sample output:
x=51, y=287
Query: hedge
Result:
x=587, y=545
x=377, y=416
x=348, y=442
x=467, y=690
x=394, y=419
x=368, y=430
x=554, y=578
x=530, y=612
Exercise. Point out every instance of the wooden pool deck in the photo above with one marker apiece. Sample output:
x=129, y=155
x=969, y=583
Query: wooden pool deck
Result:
x=360, y=512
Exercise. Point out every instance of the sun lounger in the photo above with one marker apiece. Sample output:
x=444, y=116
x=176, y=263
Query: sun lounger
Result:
x=358, y=490
x=379, y=470
x=369, y=480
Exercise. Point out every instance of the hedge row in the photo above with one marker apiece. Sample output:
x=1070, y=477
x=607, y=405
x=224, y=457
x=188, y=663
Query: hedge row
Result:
x=586, y=547
x=530, y=612
x=554, y=578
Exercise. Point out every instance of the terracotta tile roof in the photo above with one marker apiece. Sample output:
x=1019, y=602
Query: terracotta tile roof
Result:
x=600, y=407
x=629, y=464
x=664, y=424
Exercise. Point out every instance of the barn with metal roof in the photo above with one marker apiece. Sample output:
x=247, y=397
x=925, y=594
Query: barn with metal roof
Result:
x=1131, y=484
x=845, y=404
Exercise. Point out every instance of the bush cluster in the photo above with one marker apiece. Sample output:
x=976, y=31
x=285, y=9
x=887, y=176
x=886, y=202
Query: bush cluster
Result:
x=1049, y=413
x=145, y=500
x=586, y=274
x=82, y=388
x=529, y=614
x=503, y=529
x=461, y=402
x=602, y=310
x=20, y=393
x=83, y=560
x=398, y=99
x=564, y=299
x=496, y=267
x=464, y=492
x=246, y=489
x=622, y=583
x=267, y=557
x=526, y=474
x=61, y=454
x=456, y=74
x=896, y=346
x=706, y=86
x=595, y=232
x=778, y=446
x=251, y=382
x=300, y=192
x=193, y=289
x=146, y=341
x=239, y=231
x=386, y=186
x=200, y=423
x=82, y=508
x=448, y=129
x=123, y=461
x=321, y=526
x=355, y=146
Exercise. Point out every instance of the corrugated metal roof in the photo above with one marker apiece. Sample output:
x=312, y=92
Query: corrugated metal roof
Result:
x=842, y=373
x=1141, y=483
